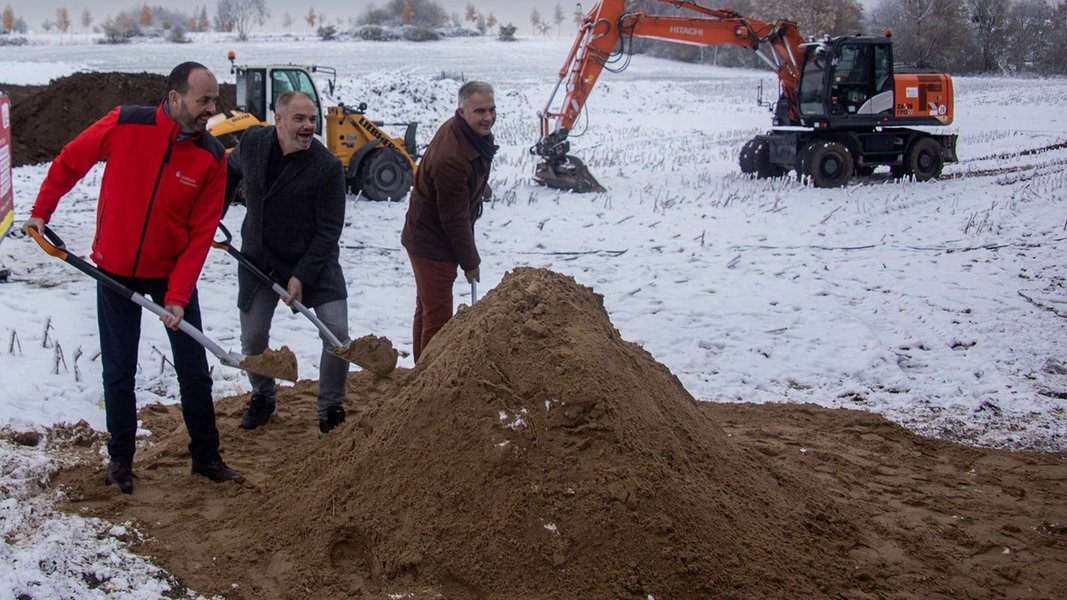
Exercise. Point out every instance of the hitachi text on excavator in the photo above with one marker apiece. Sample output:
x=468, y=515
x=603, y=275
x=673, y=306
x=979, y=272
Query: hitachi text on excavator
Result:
x=844, y=108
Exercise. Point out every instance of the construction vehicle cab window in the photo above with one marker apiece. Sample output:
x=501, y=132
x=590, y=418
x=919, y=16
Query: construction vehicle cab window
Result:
x=377, y=165
x=843, y=107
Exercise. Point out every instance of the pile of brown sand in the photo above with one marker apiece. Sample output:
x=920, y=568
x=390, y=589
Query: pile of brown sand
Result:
x=533, y=453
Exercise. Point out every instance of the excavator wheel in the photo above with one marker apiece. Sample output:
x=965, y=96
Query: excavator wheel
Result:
x=747, y=158
x=386, y=175
x=756, y=158
x=829, y=164
x=925, y=159
x=571, y=175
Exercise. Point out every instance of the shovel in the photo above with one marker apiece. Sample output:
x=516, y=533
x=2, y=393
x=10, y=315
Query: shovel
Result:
x=55, y=246
x=370, y=352
x=278, y=289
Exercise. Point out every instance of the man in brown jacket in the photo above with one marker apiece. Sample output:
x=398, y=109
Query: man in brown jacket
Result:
x=446, y=200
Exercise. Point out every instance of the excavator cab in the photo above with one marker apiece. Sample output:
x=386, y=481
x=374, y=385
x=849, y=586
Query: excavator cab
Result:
x=846, y=77
x=850, y=81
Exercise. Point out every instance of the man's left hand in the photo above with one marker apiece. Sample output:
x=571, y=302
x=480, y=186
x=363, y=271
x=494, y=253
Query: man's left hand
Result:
x=174, y=315
x=296, y=291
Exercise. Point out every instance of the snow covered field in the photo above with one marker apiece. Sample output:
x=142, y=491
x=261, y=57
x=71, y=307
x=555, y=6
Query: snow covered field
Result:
x=939, y=305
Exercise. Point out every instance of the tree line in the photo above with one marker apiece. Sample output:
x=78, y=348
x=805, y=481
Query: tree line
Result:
x=956, y=36
x=965, y=37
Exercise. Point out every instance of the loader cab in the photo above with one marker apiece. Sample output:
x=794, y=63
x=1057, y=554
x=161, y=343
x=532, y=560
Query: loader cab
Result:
x=846, y=79
x=258, y=90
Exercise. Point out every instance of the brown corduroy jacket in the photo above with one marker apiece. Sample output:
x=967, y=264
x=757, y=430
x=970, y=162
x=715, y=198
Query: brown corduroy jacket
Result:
x=446, y=200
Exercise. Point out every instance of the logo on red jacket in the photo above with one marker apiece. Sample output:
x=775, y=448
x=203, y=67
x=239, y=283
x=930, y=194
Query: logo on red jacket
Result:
x=185, y=180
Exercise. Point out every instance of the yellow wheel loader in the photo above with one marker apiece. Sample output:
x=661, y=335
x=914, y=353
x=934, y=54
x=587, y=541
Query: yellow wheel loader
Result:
x=380, y=166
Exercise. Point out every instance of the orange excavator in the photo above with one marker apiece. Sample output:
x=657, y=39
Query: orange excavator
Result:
x=844, y=108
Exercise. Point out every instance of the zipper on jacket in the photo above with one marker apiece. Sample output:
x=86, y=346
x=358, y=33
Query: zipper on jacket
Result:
x=148, y=212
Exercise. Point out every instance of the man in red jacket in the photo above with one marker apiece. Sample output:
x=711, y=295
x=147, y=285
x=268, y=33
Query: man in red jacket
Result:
x=161, y=198
x=446, y=199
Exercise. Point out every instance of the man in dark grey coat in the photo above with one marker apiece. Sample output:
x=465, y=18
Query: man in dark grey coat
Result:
x=294, y=191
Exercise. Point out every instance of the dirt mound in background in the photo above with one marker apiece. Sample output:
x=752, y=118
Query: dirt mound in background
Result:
x=45, y=118
x=535, y=454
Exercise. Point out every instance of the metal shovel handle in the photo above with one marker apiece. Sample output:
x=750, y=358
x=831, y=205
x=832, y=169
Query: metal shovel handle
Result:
x=283, y=293
x=54, y=245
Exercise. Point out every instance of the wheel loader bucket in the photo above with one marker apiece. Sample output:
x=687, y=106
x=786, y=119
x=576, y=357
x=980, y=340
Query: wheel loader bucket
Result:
x=570, y=175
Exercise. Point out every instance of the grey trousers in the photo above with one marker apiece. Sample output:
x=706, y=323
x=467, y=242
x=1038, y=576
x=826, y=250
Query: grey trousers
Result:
x=333, y=370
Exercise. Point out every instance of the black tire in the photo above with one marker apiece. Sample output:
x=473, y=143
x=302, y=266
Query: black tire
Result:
x=747, y=158
x=755, y=158
x=925, y=159
x=385, y=175
x=830, y=164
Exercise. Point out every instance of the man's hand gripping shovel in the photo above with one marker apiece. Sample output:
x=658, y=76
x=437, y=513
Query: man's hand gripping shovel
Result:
x=55, y=246
x=370, y=352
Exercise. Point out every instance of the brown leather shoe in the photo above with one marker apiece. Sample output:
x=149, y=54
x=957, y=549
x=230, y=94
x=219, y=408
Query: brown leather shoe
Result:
x=218, y=472
x=121, y=474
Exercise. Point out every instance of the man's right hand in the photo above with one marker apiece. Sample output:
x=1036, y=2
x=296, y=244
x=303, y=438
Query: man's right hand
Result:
x=473, y=274
x=35, y=223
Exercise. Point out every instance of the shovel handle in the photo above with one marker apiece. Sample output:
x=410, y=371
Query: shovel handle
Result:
x=275, y=286
x=54, y=245
x=474, y=291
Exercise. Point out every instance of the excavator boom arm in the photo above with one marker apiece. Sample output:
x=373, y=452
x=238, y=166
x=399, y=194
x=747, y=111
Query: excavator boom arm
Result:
x=608, y=26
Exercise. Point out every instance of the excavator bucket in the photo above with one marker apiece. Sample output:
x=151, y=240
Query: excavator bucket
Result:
x=571, y=174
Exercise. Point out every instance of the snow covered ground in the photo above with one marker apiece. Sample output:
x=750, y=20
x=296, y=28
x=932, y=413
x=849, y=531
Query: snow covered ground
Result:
x=939, y=305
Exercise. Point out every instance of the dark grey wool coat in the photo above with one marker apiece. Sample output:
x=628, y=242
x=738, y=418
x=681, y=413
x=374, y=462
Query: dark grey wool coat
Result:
x=293, y=228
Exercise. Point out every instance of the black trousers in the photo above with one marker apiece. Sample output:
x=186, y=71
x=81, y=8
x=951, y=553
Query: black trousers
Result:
x=120, y=332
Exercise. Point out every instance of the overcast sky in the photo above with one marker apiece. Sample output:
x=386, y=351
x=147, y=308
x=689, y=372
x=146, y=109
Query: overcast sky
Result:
x=35, y=12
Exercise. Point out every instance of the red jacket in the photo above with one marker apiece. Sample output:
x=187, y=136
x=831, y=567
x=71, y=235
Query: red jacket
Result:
x=160, y=199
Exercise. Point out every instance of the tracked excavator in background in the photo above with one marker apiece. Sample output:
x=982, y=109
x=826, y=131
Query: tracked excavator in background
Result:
x=844, y=108
x=380, y=166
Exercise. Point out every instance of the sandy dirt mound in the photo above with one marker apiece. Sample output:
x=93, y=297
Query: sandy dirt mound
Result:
x=535, y=454
x=45, y=118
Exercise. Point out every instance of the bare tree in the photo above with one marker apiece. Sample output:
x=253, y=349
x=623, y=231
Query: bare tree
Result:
x=287, y=21
x=63, y=19
x=814, y=17
x=491, y=21
x=87, y=19
x=144, y=16
x=311, y=17
x=7, y=19
x=928, y=33
x=988, y=19
x=471, y=14
x=558, y=18
x=244, y=14
x=1056, y=59
x=535, y=20
x=202, y=23
x=579, y=16
x=1027, y=35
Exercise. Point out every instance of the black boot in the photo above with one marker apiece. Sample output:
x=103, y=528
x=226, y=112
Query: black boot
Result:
x=259, y=411
x=335, y=415
x=121, y=474
x=218, y=472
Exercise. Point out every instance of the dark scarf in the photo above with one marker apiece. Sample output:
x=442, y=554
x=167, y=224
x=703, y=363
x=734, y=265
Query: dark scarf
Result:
x=484, y=145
